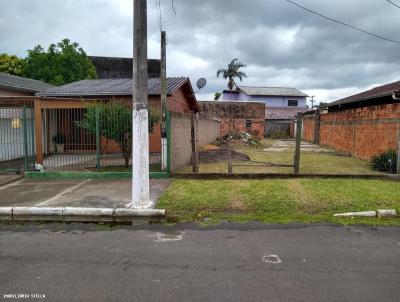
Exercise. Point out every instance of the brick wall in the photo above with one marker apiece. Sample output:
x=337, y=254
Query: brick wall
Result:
x=361, y=132
x=239, y=112
x=257, y=126
x=309, y=127
x=181, y=148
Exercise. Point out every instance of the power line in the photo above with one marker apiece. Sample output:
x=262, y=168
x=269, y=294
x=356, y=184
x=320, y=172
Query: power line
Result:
x=173, y=6
x=159, y=14
x=342, y=23
x=392, y=3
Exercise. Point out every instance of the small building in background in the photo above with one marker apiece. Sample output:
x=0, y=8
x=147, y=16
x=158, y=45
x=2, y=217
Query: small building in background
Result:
x=281, y=106
x=245, y=116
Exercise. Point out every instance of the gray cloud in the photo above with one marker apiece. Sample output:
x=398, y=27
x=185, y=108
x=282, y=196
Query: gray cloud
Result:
x=281, y=44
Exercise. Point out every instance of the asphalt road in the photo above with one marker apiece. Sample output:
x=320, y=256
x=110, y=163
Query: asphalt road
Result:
x=186, y=263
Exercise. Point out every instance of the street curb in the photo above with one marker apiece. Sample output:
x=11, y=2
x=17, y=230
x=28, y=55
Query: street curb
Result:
x=378, y=213
x=78, y=214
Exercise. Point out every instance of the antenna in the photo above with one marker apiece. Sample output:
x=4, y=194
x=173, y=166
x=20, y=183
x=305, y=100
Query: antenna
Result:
x=201, y=83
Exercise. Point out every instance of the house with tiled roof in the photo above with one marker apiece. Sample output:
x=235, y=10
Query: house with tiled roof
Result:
x=364, y=125
x=11, y=85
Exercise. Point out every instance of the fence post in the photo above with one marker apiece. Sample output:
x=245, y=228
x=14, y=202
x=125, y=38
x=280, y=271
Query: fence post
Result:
x=298, y=143
x=229, y=142
x=398, y=152
x=317, y=126
x=38, y=131
x=25, y=129
x=195, y=166
x=97, y=139
x=32, y=157
x=169, y=147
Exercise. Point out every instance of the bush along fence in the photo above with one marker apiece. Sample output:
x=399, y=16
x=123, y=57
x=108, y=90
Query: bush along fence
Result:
x=370, y=135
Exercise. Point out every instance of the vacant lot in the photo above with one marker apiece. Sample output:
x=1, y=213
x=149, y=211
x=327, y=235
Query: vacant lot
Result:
x=314, y=160
x=279, y=201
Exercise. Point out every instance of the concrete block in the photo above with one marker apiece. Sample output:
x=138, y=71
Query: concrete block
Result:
x=387, y=213
x=357, y=214
x=6, y=213
x=121, y=212
x=92, y=212
x=37, y=211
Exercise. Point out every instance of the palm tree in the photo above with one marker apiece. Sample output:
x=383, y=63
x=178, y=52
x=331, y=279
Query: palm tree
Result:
x=232, y=72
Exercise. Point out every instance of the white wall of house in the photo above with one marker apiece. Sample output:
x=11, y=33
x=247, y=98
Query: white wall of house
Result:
x=12, y=134
x=270, y=101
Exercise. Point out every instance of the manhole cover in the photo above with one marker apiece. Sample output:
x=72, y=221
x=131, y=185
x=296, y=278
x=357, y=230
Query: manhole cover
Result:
x=274, y=259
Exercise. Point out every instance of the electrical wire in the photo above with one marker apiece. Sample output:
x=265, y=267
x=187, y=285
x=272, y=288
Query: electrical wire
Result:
x=159, y=14
x=342, y=23
x=392, y=3
x=173, y=6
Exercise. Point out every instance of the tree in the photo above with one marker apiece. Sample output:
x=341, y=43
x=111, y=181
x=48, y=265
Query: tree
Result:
x=115, y=122
x=61, y=64
x=11, y=64
x=232, y=72
x=217, y=96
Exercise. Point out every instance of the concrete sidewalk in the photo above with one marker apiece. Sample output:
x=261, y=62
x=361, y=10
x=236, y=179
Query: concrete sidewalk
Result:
x=98, y=193
x=9, y=178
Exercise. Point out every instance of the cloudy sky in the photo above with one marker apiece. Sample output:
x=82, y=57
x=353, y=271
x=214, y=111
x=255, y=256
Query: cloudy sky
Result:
x=281, y=44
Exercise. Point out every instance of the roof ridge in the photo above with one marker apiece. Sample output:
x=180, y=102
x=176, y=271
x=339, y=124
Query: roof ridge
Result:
x=267, y=87
x=24, y=78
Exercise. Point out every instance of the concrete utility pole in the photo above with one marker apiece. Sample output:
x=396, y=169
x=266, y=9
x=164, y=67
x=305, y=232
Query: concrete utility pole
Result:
x=140, y=132
x=312, y=101
x=163, y=78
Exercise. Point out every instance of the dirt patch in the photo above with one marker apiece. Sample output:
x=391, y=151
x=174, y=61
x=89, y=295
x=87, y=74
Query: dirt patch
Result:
x=212, y=156
x=236, y=204
x=305, y=201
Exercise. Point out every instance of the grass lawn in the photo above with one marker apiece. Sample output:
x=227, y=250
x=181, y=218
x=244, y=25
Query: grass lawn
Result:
x=310, y=162
x=279, y=201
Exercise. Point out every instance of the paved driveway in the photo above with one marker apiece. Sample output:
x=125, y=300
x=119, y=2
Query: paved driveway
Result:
x=74, y=193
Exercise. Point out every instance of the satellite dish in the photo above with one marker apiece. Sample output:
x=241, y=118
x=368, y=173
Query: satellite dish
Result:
x=201, y=83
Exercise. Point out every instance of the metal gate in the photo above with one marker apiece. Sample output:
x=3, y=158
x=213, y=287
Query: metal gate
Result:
x=278, y=128
x=17, y=136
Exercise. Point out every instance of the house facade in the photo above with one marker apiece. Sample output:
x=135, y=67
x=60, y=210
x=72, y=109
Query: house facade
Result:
x=180, y=98
x=244, y=116
x=14, y=113
x=281, y=105
x=272, y=97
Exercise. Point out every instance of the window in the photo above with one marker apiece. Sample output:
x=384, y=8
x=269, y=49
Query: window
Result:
x=248, y=123
x=15, y=123
x=293, y=103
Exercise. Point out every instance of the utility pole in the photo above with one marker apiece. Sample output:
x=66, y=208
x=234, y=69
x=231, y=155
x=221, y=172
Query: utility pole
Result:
x=140, y=132
x=163, y=78
x=312, y=102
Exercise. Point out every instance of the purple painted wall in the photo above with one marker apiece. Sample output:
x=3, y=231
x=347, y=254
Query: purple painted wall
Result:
x=270, y=101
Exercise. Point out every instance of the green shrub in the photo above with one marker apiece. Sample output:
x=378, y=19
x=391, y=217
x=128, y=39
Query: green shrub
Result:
x=385, y=162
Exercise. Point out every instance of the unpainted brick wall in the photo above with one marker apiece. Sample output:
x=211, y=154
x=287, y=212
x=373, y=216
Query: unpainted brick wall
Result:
x=309, y=127
x=181, y=146
x=238, y=112
x=361, y=132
